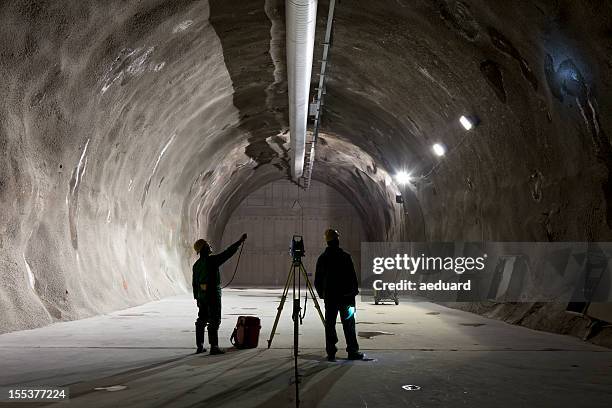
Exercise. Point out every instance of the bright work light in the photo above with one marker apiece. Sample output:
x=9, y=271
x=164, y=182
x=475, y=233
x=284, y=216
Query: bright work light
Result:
x=402, y=177
x=439, y=149
x=466, y=123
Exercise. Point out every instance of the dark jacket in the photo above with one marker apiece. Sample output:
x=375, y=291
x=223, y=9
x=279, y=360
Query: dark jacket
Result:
x=335, y=277
x=206, y=271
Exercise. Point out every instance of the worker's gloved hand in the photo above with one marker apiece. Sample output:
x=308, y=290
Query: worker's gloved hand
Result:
x=243, y=237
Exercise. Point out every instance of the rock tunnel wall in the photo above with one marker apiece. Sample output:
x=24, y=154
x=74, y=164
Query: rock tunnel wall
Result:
x=128, y=129
x=99, y=141
x=124, y=137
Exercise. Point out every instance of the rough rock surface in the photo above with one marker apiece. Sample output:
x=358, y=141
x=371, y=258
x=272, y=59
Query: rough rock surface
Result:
x=127, y=129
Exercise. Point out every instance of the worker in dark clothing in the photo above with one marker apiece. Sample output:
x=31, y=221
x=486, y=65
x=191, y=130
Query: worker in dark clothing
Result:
x=206, y=284
x=336, y=283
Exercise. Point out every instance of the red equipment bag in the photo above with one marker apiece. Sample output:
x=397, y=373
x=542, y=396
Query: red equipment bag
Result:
x=246, y=333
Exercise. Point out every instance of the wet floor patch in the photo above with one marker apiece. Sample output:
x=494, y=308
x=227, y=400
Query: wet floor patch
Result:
x=472, y=324
x=370, y=334
x=432, y=313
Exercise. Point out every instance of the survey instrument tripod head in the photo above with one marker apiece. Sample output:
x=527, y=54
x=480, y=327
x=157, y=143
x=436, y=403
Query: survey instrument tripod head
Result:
x=297, y=250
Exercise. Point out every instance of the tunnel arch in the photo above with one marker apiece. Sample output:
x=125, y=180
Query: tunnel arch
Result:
x=120, y=123
x=371, y=189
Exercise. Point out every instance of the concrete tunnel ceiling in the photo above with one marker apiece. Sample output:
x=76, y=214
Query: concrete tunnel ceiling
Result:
x=130, y=128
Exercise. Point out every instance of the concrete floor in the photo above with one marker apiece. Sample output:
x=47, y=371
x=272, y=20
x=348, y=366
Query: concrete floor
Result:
x=456, y=358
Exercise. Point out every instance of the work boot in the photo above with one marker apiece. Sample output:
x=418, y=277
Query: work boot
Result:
x=356, y=355
x=213, y=339
x=331, y=357
x=215, y=350
x=199, y=330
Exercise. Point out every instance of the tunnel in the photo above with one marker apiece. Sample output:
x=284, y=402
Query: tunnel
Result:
x=130, y=129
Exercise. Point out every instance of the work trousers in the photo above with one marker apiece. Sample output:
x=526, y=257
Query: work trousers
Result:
x=348, y=325
x=209, y=314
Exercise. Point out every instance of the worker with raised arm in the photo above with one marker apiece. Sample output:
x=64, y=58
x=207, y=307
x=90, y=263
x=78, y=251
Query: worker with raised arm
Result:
x=206, y=284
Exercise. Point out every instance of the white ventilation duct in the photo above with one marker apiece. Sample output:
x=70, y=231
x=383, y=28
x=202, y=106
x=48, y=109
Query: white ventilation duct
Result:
x=301, y=18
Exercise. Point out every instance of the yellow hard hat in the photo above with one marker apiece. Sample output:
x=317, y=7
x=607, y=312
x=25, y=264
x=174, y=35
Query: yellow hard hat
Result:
x=331, y=234
x=199, y=244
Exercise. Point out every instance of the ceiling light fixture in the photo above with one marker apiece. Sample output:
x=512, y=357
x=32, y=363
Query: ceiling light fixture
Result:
x=469, y=122
x=466, y=122
x=439, y=149
x=403, y=178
